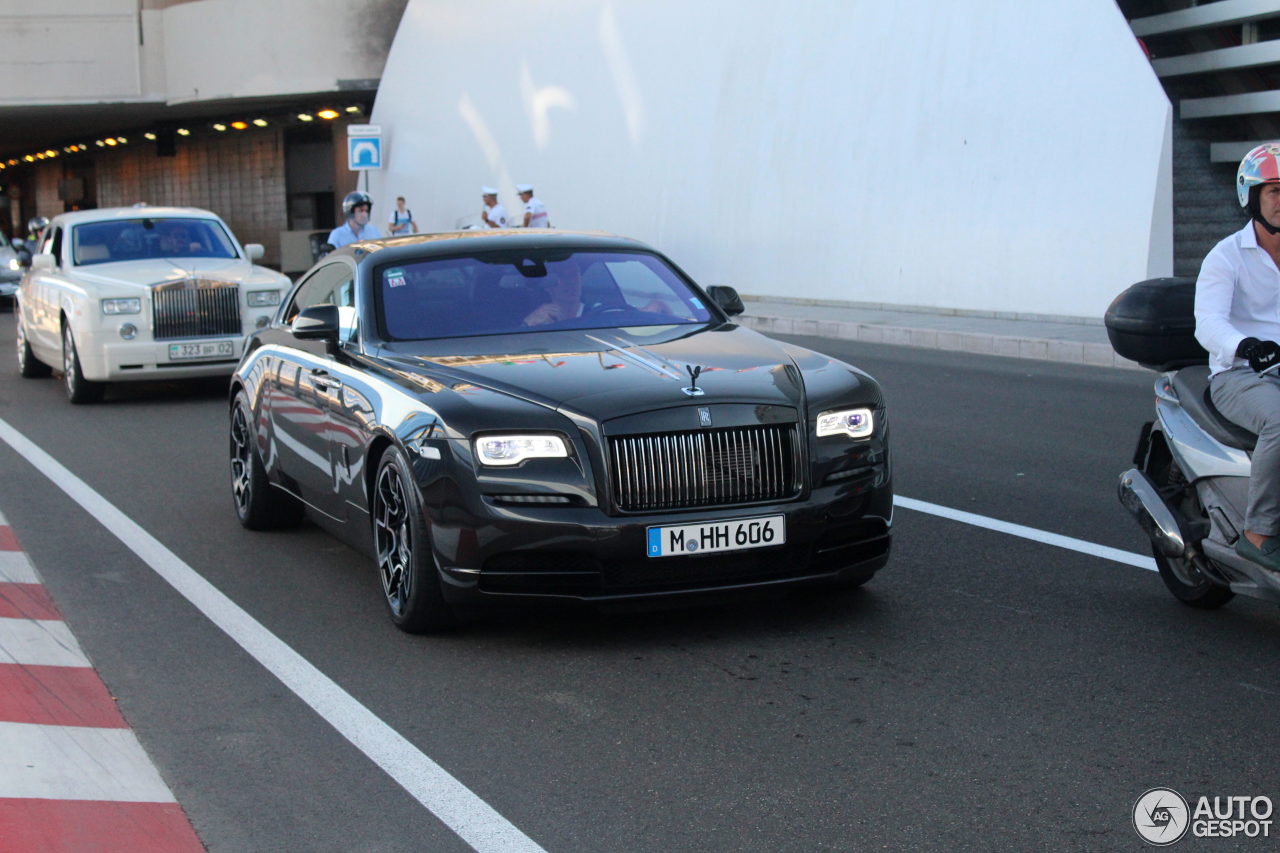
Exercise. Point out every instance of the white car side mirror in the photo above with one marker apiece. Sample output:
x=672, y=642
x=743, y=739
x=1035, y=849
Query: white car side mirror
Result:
x=43, y=261
x=254, y=251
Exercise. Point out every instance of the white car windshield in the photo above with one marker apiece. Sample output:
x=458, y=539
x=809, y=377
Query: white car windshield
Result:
x=149, y=237
x=530, y=291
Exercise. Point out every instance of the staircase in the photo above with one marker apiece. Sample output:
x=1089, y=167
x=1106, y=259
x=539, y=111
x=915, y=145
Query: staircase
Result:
x=1219, y=62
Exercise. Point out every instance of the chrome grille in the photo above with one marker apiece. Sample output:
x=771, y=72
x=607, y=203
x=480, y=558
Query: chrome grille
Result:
x=704, y=467
x=181, y=312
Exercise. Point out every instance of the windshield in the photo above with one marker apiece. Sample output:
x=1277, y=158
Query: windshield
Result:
x=532, y=290
x=136, y=239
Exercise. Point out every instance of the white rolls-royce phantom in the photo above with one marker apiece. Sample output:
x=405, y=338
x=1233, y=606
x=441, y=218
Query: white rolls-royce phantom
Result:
x=135, y=293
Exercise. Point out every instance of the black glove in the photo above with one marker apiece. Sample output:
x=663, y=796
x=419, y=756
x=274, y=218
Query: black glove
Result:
x=1259, y=354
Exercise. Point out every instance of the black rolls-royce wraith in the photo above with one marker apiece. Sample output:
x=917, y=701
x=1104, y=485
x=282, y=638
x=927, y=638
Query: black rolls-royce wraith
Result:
x=551, y=414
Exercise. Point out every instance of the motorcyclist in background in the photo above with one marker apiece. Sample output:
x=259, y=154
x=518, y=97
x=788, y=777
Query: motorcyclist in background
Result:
x=1237, y=310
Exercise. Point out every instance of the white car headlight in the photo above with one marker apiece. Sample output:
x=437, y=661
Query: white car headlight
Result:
x=514, y=449
x=263, y=298
x=14, y=265
x=855, y=423
x=131, y=305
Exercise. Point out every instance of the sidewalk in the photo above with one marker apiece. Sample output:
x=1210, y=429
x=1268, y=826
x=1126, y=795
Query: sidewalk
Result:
x=1065, y=339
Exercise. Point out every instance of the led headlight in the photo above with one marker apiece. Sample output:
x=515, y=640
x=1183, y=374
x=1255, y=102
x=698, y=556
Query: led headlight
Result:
x=14, y=265
x=131, y=305
x=514, y=449
x=263, y=298
x=855, y=423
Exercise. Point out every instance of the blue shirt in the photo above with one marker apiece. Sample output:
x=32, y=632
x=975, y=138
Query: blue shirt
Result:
x=342, y=235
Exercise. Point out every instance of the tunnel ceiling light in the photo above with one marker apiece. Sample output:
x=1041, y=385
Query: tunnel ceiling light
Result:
x=328, y=114
x=111, y=141
x=260, y=122
x=305, y=117
x=29, y=159
x=238, y=125
x=353, y=109
x=150, y=137
x=122, y=140
x=219, y=126
x=182, y=131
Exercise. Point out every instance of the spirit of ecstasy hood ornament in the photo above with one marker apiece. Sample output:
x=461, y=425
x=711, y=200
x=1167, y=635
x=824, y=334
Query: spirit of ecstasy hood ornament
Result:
x=693, y=390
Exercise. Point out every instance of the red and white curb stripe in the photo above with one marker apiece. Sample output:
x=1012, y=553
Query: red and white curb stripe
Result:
x=73, y=776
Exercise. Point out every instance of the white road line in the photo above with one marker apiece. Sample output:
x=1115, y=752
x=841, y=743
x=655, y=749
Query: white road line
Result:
x=16, y=568
x=474, y=820
x=77, y=763
x=1129, y=558
x=39, y=642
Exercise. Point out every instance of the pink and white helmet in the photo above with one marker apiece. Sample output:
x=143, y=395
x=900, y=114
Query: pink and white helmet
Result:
x=1259, y=166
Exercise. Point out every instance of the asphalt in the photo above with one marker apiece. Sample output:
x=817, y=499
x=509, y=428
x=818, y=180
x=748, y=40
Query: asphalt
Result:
x=1071, y=340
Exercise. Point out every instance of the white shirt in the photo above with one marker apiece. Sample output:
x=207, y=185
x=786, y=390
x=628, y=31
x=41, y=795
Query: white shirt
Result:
x=497, y=215
x=538, y=213
x=1237, y=297
x=342, y=235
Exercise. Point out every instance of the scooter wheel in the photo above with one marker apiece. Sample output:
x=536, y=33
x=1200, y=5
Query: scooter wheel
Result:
x=1189, y=585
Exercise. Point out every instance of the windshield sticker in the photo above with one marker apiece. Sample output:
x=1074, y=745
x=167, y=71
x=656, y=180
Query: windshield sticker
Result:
x=395, y=277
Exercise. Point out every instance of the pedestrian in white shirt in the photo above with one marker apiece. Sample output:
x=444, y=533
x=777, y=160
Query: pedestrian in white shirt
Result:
x=1238, y=322
x=401, y=222
x=535, y=212
x=493, y=214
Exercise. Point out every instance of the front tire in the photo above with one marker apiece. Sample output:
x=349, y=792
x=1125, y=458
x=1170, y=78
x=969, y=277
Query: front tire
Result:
x=1182, y=576
x=402, y=548
x=29, y=367
x=258, y=505
x=79, y=389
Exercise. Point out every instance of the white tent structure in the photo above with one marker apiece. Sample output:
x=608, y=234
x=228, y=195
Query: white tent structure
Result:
x=982, y=155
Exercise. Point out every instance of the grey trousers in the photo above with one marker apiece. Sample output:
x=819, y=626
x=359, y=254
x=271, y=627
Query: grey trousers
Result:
x=1253, y=402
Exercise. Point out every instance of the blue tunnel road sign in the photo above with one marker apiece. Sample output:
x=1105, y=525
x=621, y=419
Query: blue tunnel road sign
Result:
x=364, y=147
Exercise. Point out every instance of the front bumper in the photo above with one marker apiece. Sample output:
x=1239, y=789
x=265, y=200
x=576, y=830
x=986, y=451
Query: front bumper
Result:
x=839, y=533
x=104, y=357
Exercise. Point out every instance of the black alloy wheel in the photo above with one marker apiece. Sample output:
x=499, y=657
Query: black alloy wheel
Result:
x=406, y=564
x=259, y=506
x=29, y=367
x=79, y=389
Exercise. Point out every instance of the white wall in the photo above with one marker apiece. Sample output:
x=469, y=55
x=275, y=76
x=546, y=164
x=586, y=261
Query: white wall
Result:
x=69, y=51
x=217, y=49
x=980, y=154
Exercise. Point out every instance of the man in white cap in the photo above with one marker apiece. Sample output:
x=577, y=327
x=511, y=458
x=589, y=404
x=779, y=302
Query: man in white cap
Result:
x=535, y=212
x=493, y=214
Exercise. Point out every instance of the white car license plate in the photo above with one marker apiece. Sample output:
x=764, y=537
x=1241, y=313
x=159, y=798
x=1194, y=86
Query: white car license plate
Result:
x=712, y=536
x=213, y=349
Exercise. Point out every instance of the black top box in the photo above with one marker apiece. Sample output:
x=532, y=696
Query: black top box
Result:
x=1153, y=323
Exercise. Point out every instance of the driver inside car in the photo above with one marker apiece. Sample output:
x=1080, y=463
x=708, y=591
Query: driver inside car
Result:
x=175, y=240
x=565, y=292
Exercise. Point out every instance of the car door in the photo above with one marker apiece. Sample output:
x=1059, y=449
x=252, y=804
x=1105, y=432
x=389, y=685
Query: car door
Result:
x=304, y=392
x=44, y=327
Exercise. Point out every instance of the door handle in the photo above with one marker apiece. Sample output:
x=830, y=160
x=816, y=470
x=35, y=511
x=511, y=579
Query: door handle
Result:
x=322, y=379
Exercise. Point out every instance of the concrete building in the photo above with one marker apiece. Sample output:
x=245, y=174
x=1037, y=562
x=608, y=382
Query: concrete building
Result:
x=232, y=105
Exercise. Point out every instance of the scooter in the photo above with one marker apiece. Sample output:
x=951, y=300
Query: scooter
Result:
x=1189, y=487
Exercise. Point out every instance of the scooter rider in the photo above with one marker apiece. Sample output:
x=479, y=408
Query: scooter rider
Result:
x=1237, y=311
x=356, y=207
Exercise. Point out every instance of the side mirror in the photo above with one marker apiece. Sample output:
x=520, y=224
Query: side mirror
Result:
x=317, y=323
x=43, y=261
x=727, y=298
x=254, y=251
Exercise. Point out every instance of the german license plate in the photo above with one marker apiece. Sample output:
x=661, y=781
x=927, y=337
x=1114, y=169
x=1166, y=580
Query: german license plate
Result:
x=211, y=349
x=712, y=536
